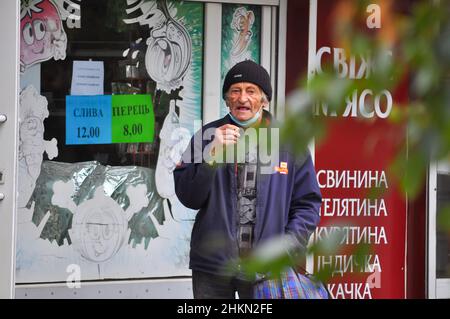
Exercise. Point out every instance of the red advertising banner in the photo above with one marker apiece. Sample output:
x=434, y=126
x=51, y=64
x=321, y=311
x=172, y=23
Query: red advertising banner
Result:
x=351, y=163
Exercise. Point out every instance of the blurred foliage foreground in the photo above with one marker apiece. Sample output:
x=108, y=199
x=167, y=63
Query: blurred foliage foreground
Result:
x=420, y=44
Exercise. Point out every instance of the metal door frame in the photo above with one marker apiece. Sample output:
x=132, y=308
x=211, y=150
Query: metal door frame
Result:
x=9, y=91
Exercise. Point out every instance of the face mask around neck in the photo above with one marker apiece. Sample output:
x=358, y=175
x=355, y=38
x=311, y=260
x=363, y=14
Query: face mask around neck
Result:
x=248, y=122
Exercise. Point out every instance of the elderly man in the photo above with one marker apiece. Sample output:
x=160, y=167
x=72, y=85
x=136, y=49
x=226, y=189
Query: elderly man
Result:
x=239, y=205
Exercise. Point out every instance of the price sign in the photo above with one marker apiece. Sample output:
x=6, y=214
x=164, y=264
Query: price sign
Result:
x=133, y=120
x=88, y=119
x=105, y=119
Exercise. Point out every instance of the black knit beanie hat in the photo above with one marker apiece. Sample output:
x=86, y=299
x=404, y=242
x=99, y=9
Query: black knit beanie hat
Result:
x=248, y=71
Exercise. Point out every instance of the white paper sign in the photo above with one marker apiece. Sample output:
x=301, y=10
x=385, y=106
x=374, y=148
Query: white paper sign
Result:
x=87, y=78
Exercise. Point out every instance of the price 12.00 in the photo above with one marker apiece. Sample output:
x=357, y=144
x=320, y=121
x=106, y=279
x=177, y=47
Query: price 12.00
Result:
x=88, y=132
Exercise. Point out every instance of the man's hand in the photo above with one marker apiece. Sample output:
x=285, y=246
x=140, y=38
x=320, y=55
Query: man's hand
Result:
x=224, y=135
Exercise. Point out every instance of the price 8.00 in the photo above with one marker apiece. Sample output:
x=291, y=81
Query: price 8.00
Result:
x=132, y=129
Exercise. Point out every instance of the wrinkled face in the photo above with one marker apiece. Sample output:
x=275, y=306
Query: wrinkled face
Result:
x=38, y=26
x=244, y=100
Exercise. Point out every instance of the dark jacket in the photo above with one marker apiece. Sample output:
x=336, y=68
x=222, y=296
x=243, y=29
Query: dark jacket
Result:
x=286, y=203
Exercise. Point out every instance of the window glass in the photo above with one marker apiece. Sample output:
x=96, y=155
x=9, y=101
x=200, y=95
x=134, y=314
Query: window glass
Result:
x=110, y=92
x=241, y=38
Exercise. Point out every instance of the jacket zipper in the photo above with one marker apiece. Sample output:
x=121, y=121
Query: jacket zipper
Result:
x=236, y=214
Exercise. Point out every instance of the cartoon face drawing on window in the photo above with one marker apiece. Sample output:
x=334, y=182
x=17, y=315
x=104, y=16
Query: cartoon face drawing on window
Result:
x=99, y=231
x=169, y=50
x=99, y=228
x=42, y=33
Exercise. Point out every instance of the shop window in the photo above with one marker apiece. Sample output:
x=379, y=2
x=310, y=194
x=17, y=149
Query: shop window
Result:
x=123, y=49
x=241, y=38
x=110, y=94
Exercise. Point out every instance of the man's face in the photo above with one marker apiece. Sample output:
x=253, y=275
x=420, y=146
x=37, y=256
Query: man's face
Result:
x=244, y=100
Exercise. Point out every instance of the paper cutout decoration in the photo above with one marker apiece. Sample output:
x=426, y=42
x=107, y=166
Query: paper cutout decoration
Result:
x=99, y=225
x=42, y=35
x=174, y=140
x=242, y=23
x=32, y=113
x=169, y=47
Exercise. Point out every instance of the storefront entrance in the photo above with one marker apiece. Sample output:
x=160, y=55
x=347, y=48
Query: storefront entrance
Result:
x=99, y=108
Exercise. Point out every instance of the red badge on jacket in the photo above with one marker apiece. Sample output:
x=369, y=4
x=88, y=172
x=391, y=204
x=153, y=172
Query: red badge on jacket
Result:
x=282, y=169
